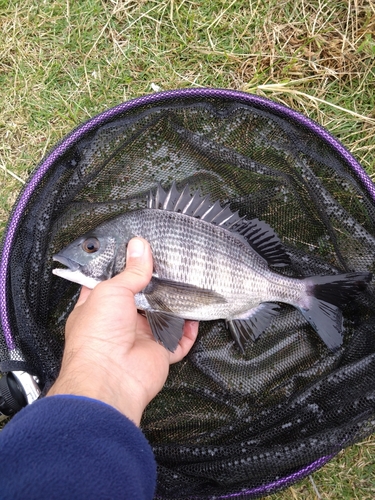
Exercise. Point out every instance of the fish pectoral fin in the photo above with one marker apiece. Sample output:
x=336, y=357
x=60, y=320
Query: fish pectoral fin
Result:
x=159, y=288
x=252, y=323
x=167, y=328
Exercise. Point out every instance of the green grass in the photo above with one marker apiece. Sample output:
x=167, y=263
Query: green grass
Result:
x=64, y=61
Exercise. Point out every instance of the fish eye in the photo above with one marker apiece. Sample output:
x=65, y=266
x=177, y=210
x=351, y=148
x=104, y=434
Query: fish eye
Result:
x=90, y=245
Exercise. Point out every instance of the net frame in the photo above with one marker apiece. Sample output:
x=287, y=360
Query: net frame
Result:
x=131, y=106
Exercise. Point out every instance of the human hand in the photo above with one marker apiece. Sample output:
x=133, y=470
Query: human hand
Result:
x=110, y=353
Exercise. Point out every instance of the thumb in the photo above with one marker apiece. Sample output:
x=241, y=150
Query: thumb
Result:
x=139, y=266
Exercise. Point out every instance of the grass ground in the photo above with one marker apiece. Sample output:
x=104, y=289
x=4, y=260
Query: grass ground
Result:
x=62, y=62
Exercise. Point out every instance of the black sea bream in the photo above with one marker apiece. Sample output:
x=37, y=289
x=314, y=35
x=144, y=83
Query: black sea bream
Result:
x=209, y=263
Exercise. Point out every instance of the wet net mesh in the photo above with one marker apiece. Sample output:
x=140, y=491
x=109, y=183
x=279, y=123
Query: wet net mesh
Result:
x=226, y=422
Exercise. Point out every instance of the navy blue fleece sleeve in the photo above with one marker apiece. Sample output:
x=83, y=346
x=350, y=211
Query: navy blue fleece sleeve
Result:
x=69, y=447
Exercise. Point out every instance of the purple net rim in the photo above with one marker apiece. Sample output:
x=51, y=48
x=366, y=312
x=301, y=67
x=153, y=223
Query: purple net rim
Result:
x=284, y=482
x=155, y=99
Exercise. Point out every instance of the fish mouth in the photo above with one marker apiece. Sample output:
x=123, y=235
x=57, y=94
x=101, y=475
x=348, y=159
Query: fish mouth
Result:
x=73, y=272
x=65, y=261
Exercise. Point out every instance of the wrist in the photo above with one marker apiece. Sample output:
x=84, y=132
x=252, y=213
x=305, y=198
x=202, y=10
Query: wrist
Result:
x=91, y=384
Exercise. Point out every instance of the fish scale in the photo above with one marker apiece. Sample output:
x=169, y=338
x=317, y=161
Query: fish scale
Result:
x=209, y=263
x=203, y=255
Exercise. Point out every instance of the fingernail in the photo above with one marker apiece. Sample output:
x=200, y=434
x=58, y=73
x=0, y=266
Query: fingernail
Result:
x=136, y=248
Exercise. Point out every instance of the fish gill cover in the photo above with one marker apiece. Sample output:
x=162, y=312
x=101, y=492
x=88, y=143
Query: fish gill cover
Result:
x=227, y=422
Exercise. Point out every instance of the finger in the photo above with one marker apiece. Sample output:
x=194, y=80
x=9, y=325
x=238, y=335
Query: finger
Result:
x=85, y=292
x=186, y=342
x=139, y=265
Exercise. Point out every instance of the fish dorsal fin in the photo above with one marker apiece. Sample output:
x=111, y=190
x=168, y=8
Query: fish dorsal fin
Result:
x=195, y=205
x=256, y=233
x=263, y=239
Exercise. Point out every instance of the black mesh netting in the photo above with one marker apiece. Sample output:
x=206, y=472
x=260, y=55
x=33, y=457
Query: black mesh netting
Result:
x=226, y=423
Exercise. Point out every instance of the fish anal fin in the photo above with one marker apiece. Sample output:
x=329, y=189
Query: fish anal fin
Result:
x=252, y=323
x=167, y=328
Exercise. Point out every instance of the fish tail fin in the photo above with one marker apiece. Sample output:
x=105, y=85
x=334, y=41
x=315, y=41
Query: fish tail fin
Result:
x=323, y=299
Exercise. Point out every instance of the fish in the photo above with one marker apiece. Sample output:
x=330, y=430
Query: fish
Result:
x=210, y=263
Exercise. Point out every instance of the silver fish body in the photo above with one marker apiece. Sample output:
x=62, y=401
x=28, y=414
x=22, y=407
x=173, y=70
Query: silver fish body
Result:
x=193, y=251
x=208, y=264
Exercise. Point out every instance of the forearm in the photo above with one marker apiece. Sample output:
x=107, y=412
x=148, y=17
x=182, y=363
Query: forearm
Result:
x=74, y=447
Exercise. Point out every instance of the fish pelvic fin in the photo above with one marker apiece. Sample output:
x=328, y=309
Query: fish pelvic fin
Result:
x=256, y=233
x=252, y=323
x=167, y=328
x=323, y=300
